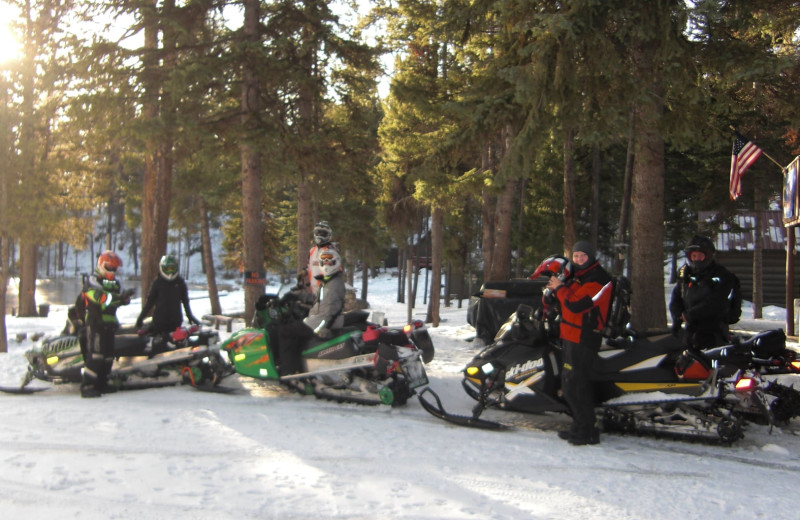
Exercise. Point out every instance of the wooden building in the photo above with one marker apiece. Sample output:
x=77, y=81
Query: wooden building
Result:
x=735, y=252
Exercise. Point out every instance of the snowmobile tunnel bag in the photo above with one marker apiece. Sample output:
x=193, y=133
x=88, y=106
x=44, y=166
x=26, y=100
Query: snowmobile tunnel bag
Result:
x=493, y=304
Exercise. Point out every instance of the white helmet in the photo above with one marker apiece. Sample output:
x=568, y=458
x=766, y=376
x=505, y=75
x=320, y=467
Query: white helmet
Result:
x=330, y=262
x=322, y=233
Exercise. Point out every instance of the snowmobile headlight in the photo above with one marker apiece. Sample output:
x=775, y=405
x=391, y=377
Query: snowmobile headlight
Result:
x=473, y=371
x=239, y=357
x=795, y=365
x=488, y=368
x=52, y=360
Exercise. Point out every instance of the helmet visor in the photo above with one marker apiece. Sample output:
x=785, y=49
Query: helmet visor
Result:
x=170, y=269
x=327, y=259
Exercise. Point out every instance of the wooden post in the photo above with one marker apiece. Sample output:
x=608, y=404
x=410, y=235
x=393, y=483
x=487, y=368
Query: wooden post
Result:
x=790, y=245
x=409, y=296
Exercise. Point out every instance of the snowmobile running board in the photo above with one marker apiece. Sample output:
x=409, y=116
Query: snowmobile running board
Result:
x=362, y=361
x=460, y=420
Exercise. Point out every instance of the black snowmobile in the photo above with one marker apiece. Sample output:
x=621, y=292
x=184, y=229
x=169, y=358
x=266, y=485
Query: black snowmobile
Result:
x=363, y=363
x=642, y=384
x=187, y=355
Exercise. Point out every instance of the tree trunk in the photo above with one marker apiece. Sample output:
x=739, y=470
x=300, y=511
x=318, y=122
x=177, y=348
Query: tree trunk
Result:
x=27, y=279
x=252, y=221
x=437, y=230
x=150, y=181
x=595, y=216
x=621, y=246
x=208, y=257
x=305, y=227
x=487, y=217
x=501, y=257
x=569, y=190
x=647, y=231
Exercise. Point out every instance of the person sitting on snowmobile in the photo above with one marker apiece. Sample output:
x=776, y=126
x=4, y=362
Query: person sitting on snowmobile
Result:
x=585, y=300
x=706, y=299
x=325, y=314
x=166, y=295
x=99, y=302
x=323, y=234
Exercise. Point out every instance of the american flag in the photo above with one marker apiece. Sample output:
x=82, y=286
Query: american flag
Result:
x=744, y=155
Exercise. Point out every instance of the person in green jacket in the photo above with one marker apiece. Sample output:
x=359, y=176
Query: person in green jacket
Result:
x=100, y=299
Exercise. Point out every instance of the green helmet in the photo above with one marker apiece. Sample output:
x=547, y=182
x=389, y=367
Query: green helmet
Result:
x=168, y=267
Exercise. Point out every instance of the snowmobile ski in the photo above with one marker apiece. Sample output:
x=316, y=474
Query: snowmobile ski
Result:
x=438, y=410
x=22, y=390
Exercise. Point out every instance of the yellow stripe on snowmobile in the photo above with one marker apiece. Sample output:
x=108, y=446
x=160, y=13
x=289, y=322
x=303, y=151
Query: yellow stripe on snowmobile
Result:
x=52, y=360
x=639, y=387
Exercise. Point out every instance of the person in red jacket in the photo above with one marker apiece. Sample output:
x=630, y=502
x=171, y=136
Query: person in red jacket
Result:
x=584, y=299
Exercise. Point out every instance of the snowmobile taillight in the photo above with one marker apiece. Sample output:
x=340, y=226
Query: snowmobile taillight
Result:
x=371, y=334
x=179, y=334
x=745, y=384
x=416, y=324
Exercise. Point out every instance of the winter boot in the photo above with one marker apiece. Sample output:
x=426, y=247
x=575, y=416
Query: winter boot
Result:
x=90, y=391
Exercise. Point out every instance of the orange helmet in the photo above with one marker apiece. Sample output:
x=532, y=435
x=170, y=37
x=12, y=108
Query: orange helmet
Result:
x=107, y=264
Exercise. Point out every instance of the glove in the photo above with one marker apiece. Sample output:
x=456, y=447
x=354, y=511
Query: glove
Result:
x=141, y=332
x=676, y=328
x=324, y=333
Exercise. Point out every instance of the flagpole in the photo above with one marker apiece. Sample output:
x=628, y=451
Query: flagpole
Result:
x=765, y=154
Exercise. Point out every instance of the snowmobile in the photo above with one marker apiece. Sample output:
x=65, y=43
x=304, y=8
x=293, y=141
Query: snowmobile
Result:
x=187, y=355
x=364, y=363
x=642, y=383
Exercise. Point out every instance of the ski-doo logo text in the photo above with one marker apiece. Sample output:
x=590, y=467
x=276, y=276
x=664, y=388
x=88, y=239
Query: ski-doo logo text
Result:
x=534, y=365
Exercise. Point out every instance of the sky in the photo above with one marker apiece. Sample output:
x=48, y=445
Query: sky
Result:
x=265, y=453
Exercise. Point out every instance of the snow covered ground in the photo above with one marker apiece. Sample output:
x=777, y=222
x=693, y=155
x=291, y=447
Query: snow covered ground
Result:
x=265, y=453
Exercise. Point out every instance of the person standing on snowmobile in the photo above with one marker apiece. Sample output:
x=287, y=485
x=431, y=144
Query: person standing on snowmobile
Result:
x=323, y=234
x=706, y=299
x=585, y=300
x=325, y=314
x=166, y=295
x=99, y=302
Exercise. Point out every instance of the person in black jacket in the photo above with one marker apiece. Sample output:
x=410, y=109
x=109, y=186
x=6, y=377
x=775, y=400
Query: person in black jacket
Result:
x=167, y=293
x=706, y=299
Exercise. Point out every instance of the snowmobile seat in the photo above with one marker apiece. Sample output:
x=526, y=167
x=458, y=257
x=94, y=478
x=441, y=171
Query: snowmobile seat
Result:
x=356, y=318
x=766, y=344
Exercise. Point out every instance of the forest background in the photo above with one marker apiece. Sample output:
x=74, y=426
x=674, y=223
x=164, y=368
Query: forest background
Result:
x=509, y=129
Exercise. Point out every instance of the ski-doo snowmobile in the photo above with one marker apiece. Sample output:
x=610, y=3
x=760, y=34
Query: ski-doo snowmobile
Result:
x=187, y=355
x=642, y=384
x=364, y=363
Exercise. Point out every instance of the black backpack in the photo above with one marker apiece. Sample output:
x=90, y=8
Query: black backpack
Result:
x=620, y=315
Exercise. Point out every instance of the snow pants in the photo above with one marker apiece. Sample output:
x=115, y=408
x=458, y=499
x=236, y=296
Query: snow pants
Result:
x=577, y=386
x=98, y=356
x=292, y=337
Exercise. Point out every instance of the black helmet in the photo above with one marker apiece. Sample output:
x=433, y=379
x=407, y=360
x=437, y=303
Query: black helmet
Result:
x=703, y=245
x=322, y=233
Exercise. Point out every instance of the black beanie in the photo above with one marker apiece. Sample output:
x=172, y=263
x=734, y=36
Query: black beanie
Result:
x=584, y=246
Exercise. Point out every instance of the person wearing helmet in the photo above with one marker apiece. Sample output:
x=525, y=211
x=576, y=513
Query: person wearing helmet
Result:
x=166, y=295
x=585, y=301
x=706, y=299
x=322, y=236
x=98, y=303
x=325, y=314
